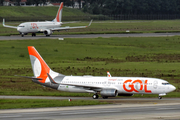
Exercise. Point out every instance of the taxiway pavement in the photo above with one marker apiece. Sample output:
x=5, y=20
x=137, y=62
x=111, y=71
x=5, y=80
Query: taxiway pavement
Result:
x=101, y=112
x=28, y=37
x=121, y=109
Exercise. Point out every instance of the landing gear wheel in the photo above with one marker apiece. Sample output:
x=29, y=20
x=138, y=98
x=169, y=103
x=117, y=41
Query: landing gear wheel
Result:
x=47, y=35
x=33, y=34
x=159, y=97
x=22, y=34
x=95, y=96
x=104, y=97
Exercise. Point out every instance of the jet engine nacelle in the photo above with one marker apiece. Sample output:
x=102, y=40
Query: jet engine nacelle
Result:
x=48, y=32
x=125, y=94
x=109, y=92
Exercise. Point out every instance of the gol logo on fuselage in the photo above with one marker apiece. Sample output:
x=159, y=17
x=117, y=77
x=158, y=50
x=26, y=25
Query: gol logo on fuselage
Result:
x=132, y=87
x=34, y=26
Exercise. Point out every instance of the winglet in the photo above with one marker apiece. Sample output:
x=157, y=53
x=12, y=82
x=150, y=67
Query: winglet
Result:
x=8, y=25
x=108, y=74
x=90, y=23
x=3, y=22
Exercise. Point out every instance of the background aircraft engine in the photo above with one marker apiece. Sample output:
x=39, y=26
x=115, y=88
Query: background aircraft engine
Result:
x=125, y=94
x=48, y=32
x=109, y=92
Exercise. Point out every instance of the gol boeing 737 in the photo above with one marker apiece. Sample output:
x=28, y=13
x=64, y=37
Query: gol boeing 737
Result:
x=105, y=86
x=46, y=27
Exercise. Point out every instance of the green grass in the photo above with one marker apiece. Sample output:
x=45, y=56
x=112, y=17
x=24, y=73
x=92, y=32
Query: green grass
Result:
x=112, y=27
x=16, y=11
x=157, y=57
x=40, y=103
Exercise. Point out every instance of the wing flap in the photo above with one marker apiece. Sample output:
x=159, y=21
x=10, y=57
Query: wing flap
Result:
x=68, y=28
x=88, y=87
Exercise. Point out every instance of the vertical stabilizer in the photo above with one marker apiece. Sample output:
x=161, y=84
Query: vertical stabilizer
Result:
x=39, y=66
x=59, y=13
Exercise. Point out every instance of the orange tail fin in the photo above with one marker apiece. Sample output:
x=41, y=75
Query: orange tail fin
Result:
x=40, y=68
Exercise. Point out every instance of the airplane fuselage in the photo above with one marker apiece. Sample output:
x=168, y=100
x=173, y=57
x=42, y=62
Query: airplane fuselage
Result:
x=46, y=27
x=34, y=27
x=123, y=85
x=105, y=86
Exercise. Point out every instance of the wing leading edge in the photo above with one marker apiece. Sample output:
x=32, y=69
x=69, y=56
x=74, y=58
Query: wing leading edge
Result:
x=8, y=25
x=68, y=28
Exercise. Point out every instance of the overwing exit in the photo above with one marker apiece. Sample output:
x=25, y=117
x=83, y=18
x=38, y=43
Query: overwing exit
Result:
x=106, y=86
x=47, y=27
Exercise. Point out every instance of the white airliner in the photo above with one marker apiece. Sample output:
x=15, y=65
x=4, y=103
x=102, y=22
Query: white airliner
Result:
x=46, y=27
x=105, y=86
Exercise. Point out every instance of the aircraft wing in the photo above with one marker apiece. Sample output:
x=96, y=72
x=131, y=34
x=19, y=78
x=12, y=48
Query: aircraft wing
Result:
x=8, y=25
x=88, y=87
x=70, y=22
x=68, y=28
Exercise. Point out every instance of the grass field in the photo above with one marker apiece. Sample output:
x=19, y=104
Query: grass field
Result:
x=40, y=103
x=16, y=11
x=157, y=57
x=107, y=27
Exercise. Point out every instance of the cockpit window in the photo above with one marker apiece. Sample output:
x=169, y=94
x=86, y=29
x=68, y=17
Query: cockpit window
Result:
x=165, y=83
x=20, y=26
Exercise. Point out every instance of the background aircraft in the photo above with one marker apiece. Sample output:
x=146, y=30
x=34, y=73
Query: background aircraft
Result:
x=46, y=27
x=105, y=86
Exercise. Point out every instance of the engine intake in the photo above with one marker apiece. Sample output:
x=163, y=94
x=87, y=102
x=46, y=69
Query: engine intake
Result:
x=109, y=92
x=48, y=32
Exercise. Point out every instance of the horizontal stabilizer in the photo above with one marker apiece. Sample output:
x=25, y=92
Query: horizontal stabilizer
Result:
x=34, y=78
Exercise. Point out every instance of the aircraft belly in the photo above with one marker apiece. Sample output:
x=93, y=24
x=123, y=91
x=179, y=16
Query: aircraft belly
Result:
x=32, y=31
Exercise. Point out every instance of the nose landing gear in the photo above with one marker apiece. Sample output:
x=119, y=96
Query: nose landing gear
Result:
x=22, y=34
x=159, y=97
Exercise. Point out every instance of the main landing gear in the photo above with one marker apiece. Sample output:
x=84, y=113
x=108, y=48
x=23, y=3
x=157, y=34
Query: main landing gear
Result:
x=95, y=96
x=33, y=34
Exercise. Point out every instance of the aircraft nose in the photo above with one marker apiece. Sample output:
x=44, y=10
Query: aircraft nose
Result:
x=172, y=88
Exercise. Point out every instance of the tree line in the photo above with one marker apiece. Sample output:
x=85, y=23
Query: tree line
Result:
x=121, y=7
x=132, y=7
